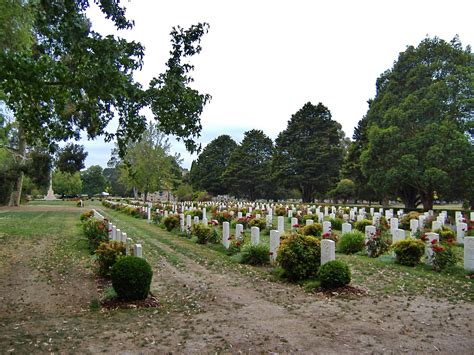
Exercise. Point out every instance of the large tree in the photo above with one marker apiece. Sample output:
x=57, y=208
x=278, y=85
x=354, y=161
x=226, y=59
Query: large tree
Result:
x=309, y=152
x=93, y=181
x=249, y=171
x=207, y=171
x=148, y=165
x=70, y=79
x=419, y=122
x=71, y=158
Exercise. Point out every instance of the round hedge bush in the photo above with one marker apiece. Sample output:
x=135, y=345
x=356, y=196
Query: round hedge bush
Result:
x=409, y=251
x=255, y=254
x=351, y=242
x=315, y=229
x=334, y=274
x=360, y=225
x=131, y=278
x=299, y=256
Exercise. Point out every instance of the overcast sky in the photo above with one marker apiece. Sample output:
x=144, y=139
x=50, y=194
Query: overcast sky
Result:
x=263, y=60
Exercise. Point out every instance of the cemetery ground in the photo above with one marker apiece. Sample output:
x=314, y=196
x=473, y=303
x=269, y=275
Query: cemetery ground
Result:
x=209, y=302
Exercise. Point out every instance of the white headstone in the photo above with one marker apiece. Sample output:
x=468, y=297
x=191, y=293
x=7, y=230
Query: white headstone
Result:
x=269, y=220
x=294, y=222
x=181, y=221
x=188, y=221
x=461, y=229
x=328, y=251
x=290, y=213
x=239, y=229
x=471, y=218
x=469, y=253
x=332, y=216
x=196, y=219
x=397, y=235
x=124, y=237
x=421, y=220
x=255, y=235
x=118, y=235
x=393, y=225
x=428, y=249
x=225, y=234
x=204, y=213
x=128, y=246
x=370, y=231
x=414, y=224
x=239, y=215
x=281, y=224
x=274, y=244
x=258, y=215
x=110, y=230
x=346, y=228
x=309, y=222
x=114, y=233
x=326, y=227
x=138, y=250
x=436, y=225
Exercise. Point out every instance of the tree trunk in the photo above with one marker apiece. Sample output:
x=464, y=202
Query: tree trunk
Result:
x=15, y=196
x=427, y=200
x=385, y=202
x=409, y=198
x=306, y=194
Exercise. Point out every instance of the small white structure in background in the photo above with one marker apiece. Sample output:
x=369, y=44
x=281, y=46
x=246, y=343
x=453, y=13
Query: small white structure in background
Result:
x=225, y=235
x=255, y=235
x=309, y=222
x=469, y=253
x=328, y=251
x=274, y=244
x=188, y=221
x=114, y=232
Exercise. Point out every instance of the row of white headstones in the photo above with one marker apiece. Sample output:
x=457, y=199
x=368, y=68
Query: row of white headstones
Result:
x=327, y=245
x=117, y=235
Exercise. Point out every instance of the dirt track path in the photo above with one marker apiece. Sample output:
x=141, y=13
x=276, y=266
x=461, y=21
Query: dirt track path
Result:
x=209, y=305
x=239, y=310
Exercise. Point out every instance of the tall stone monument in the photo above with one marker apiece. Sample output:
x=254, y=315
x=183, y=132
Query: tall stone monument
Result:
x=50, y=196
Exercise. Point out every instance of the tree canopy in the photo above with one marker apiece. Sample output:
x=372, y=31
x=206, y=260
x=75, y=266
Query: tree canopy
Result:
x=71, y=158
x=249, y=171
x=309, y=152
x=208, y=170
x=70, y=79
x=418, y=125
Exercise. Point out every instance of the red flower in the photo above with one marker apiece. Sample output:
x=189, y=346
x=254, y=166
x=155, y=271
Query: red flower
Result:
x=434, y=241
x=271, y=253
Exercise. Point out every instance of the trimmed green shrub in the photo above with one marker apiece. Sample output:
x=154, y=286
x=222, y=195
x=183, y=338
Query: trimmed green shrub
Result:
x=405, y=221
x=314, y=229
x=336, y=224
x=408, y=251
x=202, y=232
x=443, y=256
x=255, y=254
x=107, y=255
x=87, y=215
x=131, y=278
x=171, y=222
x=360, y=225
x=446, y=234
x=351, y=242
x=96, y=232
x=334, y=274
x=299, y=256
x=258, y=222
